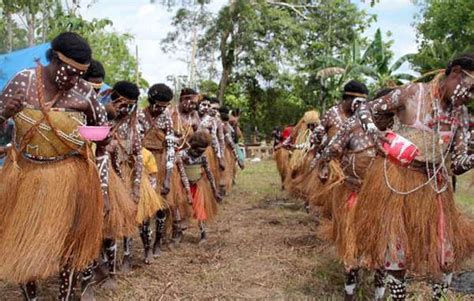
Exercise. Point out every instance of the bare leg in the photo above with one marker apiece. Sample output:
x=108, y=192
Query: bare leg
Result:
x=440, y=290
x=87, y=292
x=397, y=284
x=29, y=291
x=67, y=284
x=202, y=230
x=379, y=283
x=127, y=254
x=177, y=232
x=160, y=219
x=350, y=284
x=145, y=235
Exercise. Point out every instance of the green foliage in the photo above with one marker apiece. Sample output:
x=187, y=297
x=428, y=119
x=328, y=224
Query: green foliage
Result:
x=110, y=48
x=445, y=28
x=48, y=18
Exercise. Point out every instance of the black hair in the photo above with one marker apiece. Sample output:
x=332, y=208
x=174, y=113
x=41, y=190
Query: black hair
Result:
x=200, y=139
x=465, y=61
x=382, y=92
x=224, y=112
x=126, y=89
x=95, y=70
x=159, y=92
x=206, y=97
x=236, y=112
x=72, y=46
x=356, y=87
x=214, y=100
x=188, y=91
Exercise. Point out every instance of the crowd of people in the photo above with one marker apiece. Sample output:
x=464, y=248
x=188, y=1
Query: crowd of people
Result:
x=376, y=173
x=67, y=203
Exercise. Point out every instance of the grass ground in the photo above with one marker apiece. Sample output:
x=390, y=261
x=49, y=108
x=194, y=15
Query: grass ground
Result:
x=261, y=246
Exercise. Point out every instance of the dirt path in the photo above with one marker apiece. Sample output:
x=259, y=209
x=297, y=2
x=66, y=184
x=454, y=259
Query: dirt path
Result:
x=262, y=246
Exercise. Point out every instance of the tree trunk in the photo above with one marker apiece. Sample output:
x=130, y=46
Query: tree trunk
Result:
x=223, y=83
x=9, y=31
x=30, y=18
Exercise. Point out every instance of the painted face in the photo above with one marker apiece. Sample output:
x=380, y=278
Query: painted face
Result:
x=311, y=126
x=123, y=106
x=158, y=108
x=214, y=109
x=197, y=151
x=189, y=103
x=204, y=107
x=66, y=76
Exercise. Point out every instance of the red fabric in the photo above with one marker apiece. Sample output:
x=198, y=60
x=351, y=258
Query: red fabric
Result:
x=352, y=200
x=286, y=132
x=198, y=203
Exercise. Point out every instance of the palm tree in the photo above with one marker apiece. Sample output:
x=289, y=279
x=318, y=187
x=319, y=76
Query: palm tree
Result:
x=373, y=63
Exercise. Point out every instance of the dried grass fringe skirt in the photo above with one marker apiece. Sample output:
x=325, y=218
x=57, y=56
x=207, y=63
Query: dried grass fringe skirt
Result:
x=419, y=221
x=51, y=215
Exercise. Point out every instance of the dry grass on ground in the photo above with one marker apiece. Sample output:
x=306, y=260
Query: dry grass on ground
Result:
x=262, y=246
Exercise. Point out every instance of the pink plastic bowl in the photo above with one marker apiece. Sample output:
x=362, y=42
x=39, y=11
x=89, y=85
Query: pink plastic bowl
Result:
x=400, y=149
x=94, y=133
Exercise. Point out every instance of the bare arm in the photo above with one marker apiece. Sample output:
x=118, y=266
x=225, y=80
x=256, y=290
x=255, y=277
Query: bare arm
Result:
x=461, y=160
x=211, y=178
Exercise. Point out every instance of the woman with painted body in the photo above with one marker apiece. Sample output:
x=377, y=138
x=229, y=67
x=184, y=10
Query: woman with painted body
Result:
x=406, y=218
x=52, y=196
x=210, y=123
x=185, y=122
x=231, y=154
x=156, y=128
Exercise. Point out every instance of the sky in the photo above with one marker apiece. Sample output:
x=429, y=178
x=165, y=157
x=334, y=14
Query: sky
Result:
x=150, y=23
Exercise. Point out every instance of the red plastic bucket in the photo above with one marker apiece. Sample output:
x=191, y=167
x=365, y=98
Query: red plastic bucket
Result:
x=399, y=149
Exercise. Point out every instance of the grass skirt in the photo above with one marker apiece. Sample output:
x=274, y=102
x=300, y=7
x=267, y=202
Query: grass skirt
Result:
x=177, y=197
x=320, y=194
x=214, y=166
x=204, y=202
x=150, y=201
x=419, y=222
x=340, y=228
x=282, y=158
x=120, y=221
x=300, y=181
x=51, y=215
x=230, y=167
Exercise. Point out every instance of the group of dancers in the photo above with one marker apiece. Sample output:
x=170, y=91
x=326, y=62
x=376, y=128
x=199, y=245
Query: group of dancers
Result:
x=66, y=203
x=377, y=174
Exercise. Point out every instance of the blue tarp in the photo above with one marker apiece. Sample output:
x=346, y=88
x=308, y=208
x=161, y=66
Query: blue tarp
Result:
x=13, y=62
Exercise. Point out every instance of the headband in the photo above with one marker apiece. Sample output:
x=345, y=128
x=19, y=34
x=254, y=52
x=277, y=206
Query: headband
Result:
x=356, y=94
x=71, y=62
x=96, y=85
x=468, y=73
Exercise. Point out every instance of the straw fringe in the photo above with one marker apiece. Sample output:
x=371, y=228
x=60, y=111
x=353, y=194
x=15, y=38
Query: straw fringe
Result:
x=120, y=221
x=384, y=218
x=51, y=215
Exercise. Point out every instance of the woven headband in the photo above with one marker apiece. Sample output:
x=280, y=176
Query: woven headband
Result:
x=71, y=62
x=96, y=85
x=356, y=94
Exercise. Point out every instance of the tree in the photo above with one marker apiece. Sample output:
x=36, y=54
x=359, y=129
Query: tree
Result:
x=444, y=29
x=189, y=24
x=110, y=48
